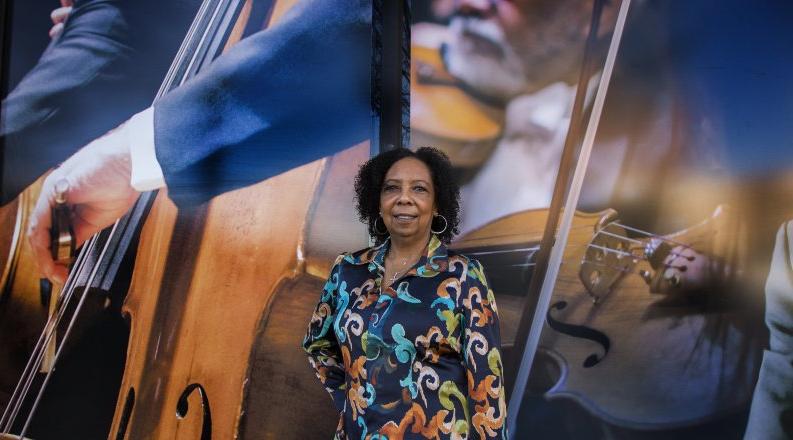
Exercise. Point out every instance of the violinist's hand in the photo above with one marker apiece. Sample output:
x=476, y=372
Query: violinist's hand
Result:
x=99, y=193
x=687, y=270
x=59, y=17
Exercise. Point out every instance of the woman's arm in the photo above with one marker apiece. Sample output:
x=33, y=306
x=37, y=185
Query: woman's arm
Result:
x=487, y=407
x=320, y=342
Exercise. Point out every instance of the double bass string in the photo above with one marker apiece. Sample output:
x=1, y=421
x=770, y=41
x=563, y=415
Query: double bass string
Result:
x=69, y=328
x=35, y=359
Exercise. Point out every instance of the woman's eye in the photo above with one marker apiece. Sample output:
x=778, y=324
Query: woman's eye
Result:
x=419, y=188
x=389, y=187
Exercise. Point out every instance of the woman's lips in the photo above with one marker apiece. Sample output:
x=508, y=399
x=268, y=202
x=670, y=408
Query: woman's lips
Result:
x=404, y=218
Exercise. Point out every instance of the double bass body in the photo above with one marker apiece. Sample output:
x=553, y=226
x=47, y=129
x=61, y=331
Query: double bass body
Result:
x=222, y=289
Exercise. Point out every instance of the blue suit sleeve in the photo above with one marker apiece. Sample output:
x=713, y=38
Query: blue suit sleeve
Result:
x=105, y=66
x=283, y=97
x=40, y=116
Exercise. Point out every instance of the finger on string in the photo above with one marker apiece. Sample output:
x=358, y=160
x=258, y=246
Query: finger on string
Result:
x=65, y=3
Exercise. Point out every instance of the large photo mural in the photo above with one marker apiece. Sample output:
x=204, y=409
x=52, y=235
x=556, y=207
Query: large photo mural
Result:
x=220, y=219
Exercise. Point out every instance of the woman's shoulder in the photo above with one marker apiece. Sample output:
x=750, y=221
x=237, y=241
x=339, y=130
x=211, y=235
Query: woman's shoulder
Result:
x=359, y=256
x=467, y=260
x=472, y=269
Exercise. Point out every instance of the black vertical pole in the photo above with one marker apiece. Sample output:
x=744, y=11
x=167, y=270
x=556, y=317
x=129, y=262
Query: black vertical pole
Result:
x=390, y=74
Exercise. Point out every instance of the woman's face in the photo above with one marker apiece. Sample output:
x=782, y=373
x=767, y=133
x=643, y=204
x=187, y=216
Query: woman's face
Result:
x=407, y=199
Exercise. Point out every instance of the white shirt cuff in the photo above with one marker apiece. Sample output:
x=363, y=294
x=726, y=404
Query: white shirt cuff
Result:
x=146, y=174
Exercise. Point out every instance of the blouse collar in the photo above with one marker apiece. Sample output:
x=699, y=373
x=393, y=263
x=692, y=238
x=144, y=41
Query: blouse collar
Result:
x=433, y=261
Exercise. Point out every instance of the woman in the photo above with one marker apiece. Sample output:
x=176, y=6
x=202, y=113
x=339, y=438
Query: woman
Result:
x=405, y=337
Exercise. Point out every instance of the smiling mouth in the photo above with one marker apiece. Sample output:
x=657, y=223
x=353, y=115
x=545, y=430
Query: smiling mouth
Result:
x=404, y=218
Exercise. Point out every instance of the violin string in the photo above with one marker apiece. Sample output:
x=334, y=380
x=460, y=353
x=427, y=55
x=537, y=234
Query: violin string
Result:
x=639, y=242
x=651, y=235
x=69, y=328
x=36, y=358
x=621, y=237
x=603, y=248
x=615, y=251
x=606, y=249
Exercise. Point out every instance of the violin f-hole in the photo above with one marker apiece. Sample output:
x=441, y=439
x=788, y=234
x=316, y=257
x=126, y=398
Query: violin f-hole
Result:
x=580, y=331
x=182, y=407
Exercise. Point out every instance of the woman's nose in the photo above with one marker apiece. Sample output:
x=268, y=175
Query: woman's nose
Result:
x=404, y=197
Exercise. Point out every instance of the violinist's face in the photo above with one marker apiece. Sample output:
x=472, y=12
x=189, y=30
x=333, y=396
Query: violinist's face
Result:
x=407, y=199
x=506, y=47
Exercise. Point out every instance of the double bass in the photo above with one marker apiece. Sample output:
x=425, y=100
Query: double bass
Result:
x=190, y=369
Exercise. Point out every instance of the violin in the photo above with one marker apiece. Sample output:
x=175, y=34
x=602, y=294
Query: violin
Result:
x=633, y=319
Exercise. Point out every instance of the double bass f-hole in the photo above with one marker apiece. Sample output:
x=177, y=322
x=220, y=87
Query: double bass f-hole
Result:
x=182, y=408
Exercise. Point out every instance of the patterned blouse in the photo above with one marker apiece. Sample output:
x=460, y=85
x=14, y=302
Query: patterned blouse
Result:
x=421, y=360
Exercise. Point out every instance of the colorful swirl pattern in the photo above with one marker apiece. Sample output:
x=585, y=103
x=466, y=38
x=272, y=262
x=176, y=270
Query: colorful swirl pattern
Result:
x=419, y=361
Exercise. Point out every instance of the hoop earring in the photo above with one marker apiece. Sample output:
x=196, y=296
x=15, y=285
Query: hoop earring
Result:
x=445, y=225
x=375, y=227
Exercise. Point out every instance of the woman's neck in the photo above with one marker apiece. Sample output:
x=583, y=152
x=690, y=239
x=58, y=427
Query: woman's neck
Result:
x=408, y=248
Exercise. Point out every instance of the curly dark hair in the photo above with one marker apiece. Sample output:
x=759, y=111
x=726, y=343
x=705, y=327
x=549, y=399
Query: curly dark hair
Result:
x=369, y=184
